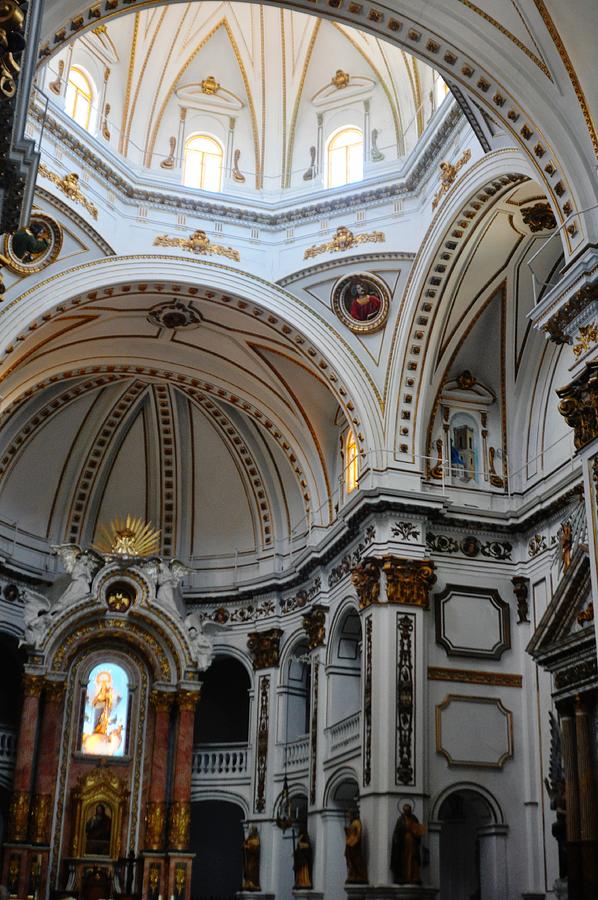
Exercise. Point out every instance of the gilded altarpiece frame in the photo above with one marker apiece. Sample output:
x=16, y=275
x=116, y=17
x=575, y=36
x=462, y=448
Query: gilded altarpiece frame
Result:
x=69, y=748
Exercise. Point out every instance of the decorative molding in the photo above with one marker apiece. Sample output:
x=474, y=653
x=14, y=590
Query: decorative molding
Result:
x=198, y=243
x=367, y=703
x=576, y=675
x=579, y=405
x=502, y=754
x=174, y=315
x=337, y=573
x=587, y=338
x=502, y=637
x=344, y=239
x=448, y=175
x=536, y=545
x=405, y=742
x=302, y=598
x=264, y=647
x=69, y=185
x=469, y=546
x=538, y=217
x=261, y=757
x=408, y=581
x=474, y=676
x=406, y=531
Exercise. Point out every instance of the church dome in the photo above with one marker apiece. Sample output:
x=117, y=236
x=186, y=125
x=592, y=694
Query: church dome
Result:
x=236, y=97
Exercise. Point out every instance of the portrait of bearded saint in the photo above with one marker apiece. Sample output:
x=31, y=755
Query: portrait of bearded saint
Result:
x=364, y=306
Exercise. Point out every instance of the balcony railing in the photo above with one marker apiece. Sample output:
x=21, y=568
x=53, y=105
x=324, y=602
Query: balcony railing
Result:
x=219, y=761
x=8, y=753
x=344, y=735
x=297, y=753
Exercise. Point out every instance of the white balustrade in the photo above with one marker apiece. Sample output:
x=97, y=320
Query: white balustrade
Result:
x=297, y=753
x=8, y=754
x=344, y=735
x=220, y=761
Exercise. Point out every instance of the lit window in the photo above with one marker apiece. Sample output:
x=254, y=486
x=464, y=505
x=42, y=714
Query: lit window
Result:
x=203, y=163
x=79, y=97
x=345, y=157
x=105, y=711
x=351, y=463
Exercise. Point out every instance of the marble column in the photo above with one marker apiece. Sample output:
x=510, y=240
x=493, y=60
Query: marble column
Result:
x=179, y=817
x=47, y=763
x=26, y=745
x=588, y=812
x=155, y=819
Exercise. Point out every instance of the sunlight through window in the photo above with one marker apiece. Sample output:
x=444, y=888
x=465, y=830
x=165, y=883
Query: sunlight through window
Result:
x=203, y=163
x=79, y=97
x=345, y=157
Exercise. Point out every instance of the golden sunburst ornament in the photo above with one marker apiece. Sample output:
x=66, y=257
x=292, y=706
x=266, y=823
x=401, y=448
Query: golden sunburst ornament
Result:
x=131, y=536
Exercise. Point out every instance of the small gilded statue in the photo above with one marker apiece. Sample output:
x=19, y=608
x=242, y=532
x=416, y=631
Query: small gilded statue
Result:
x=251, y=861
x=357, y=872
x=302, y=861
x=405, y=858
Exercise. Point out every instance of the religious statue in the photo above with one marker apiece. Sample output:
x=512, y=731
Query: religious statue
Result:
x=566, y=542
x=81, y=566
x=167, y=577
x=302, y=861
x=103, y=739
x=251, y=861
x=201, y=645
x=357, y=872
x=405, y=858
x=98, y=830
x=36, y=617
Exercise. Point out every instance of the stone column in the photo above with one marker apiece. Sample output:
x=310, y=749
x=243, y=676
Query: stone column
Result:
x=47, y=762
x=155, y=817
x=588, y=812
x=571, y=803
x=394, y=687
x=21, y=795
x=493, y=862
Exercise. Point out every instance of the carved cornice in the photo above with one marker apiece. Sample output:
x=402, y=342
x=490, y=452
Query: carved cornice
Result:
x=264, y=647
x=408, y=581
x=579, y=405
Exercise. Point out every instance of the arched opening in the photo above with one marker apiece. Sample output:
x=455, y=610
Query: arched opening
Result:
x=202, y=163
x=342, y=804
x=465, y=815
x=297, y=691
x=222, y=717
x=351, y=461
x=217, y=841
x=344, y=669
x=344, y=159
x=79, y=101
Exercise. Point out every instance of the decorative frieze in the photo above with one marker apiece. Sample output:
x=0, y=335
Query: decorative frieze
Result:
x=344, y=239
x=469, y=546
x=405, y=700
x=408, y=581
x=264, y=647
x=579, y=405
x=576, y=674
x=367, y=704
x=314, y=624
x=351, y=559
x=249, y=612
x=198, y=243
x=406, y=531
x=301, y=598
x=261, y=756
x=474, y=676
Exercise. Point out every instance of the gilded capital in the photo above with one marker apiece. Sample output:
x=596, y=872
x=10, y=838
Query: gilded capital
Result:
x=314, y=624
x=187, y=699
x=54, y=691
x=161, y=700
x=264, y=647
x=408, y=581
x=366, y=580
x=579, y=405
x=32, y=685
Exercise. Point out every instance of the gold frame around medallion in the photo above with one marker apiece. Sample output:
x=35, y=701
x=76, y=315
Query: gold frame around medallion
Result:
x=379, y=321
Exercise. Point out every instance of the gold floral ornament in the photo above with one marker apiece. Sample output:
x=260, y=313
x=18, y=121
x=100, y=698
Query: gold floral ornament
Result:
x=199, y=243
x=587, y=337
x=209, y=85
x=131, y=537
x=69, y=185
x=340, y=79
x=448, y=175
x=344, y=239
x=32, y=249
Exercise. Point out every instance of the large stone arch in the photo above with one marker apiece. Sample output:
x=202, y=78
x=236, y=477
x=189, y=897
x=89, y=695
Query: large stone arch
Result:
x=479, y=55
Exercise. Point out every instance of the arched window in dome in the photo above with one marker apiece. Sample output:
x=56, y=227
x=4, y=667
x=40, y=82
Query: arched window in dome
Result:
x=345, y=157
x=79, y=97
x=202, y=163
x=105, y=711
x=351, y=463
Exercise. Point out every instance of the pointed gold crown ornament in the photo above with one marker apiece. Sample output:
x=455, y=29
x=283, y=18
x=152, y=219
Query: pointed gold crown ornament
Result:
x=129, y=537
